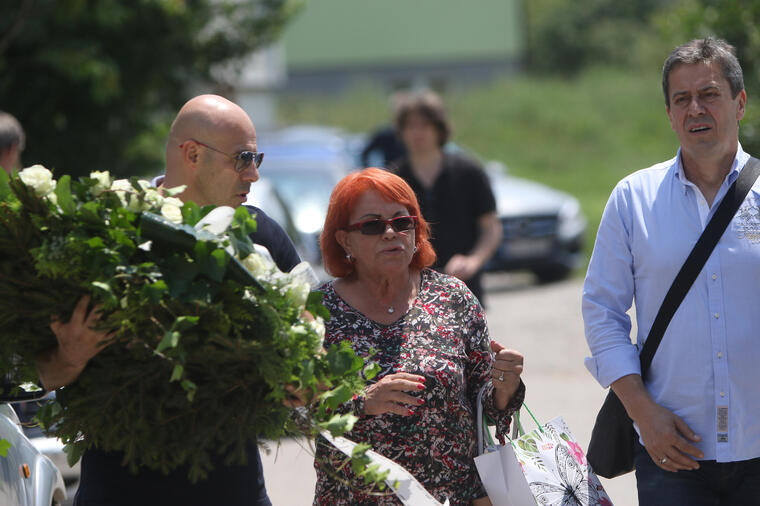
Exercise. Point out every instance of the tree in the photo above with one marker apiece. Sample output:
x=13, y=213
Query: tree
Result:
x=96, y=82
x=566, y=37
x=737, y=22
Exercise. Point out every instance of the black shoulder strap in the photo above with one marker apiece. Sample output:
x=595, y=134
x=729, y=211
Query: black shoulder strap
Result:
x=697, y=258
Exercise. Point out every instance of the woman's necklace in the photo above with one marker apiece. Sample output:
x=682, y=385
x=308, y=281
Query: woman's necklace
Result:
x=392, y=309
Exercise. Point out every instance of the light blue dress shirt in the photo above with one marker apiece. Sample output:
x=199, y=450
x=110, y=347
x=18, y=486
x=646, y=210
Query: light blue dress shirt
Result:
x=707, y=367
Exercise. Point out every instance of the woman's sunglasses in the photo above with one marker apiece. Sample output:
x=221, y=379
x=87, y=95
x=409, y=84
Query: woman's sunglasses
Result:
x=377, y=226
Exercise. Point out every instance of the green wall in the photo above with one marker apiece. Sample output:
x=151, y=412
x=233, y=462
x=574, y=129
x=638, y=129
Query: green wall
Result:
x=341, y=33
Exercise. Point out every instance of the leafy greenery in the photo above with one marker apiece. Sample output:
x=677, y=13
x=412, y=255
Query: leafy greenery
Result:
x=202, y=347
x=95, y=83
x=564, y=38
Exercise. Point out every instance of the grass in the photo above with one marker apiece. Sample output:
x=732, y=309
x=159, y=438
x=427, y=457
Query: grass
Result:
x=579, y=135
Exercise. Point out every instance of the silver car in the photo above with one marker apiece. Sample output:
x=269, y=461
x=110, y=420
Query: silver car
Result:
x=543, y=228
x=51, y=447
x=27, y=477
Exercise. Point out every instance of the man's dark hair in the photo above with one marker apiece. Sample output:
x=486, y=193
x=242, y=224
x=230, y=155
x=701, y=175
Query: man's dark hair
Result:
x=11, y=132
x=705, y=51
x=428, y=105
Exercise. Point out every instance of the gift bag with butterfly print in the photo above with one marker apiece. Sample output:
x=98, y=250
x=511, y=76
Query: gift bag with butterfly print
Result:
x=543, y=467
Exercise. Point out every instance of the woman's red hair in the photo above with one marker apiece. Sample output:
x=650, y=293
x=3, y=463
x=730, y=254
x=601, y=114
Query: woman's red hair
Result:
x=342, y=202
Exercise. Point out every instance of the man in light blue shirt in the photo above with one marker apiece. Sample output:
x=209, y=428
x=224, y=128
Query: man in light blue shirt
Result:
x=698, y=414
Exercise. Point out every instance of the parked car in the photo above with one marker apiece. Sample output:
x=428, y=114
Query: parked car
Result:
x=543, y=228
x=51, y=447
x=304, y=163
x=27, y=476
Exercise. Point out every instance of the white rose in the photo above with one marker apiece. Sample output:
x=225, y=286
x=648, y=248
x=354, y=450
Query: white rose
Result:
x=128, y=195
x=122, y=187
x=152, y=197
x=174, y=201
x=39, y=179
x=171, y=211
x=298, y=291
x=257, y=265
x=103, y=181
x=318, y=326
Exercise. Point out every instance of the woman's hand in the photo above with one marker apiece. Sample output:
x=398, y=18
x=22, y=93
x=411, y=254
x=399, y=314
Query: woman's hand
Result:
x=387, y=395
x=505, y=376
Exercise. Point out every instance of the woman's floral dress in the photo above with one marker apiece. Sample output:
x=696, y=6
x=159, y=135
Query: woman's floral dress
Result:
x=444, y=338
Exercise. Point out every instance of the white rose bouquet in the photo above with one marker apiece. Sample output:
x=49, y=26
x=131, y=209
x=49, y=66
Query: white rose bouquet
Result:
x=208, y=337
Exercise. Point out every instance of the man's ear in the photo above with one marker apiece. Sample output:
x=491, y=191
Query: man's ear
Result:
x=190, y=153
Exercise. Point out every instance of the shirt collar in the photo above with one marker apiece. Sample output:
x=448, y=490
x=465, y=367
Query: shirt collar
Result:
x=740, y=160
x=158, y=180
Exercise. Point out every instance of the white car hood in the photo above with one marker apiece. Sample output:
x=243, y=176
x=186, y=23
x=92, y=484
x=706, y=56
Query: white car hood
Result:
x=520, y=197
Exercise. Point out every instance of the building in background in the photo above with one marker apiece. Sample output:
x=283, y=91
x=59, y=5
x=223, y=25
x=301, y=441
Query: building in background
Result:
x=332, y=44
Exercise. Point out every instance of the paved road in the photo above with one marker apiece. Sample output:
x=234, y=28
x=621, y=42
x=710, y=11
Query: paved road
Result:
x=544, y=323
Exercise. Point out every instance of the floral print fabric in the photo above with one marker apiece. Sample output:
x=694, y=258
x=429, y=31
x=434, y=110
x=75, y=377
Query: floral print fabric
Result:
x=444, y=338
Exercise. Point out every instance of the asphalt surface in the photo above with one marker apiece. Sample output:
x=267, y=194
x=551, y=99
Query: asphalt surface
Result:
x=541, y=321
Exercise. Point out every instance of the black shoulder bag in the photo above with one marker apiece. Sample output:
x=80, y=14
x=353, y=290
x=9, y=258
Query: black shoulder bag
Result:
x=613, y=439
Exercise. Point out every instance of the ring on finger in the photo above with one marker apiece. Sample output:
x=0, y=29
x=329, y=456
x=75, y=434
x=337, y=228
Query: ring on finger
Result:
x=663, y=460
x=501, y=376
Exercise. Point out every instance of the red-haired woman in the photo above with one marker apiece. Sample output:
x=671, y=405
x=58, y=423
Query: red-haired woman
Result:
x=429, y=336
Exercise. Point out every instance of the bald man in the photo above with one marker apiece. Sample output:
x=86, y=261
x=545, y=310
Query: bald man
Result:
x=212, y=150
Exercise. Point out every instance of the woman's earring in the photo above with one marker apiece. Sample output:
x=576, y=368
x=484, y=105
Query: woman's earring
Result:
x=348, y=257
x=415, y=249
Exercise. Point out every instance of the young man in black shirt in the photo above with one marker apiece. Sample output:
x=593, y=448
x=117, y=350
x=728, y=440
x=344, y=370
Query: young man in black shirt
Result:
x=453, y=191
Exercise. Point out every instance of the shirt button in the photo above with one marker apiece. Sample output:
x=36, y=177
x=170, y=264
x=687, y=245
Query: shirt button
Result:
x=714, y=276
x=716, y=315
x=723, y=394
x=720, y=354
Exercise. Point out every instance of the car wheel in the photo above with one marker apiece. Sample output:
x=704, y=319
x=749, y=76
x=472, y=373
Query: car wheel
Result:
x=551, y=273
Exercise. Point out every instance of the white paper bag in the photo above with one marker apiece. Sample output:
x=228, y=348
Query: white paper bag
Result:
x=545, y=466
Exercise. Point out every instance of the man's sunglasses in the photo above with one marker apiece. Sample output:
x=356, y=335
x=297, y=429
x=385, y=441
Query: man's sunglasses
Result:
x=378, y=226
x=243, y=159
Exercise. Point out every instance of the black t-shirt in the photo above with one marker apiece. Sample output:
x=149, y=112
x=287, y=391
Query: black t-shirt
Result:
x=105, y=482
x=452, y=206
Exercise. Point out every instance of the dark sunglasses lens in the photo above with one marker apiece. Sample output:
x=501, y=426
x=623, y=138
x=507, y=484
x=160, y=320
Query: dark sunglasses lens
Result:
x=245, y=159
x=403, y=223
x=373, y=227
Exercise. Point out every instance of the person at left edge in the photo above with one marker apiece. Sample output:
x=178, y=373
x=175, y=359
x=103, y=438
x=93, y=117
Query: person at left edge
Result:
x=11, y=142
x=212, y=149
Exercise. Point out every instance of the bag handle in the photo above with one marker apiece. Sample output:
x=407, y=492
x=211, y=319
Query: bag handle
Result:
x=481, y=426
x=694, y=263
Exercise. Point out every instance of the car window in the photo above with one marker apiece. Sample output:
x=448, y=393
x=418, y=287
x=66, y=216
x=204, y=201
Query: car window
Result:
x=307, y=194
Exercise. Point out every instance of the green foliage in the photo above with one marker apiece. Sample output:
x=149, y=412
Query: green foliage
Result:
x=736, y=21
x=566, y=37
x=199, y=357
x=360, y=464
x=95, y=83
